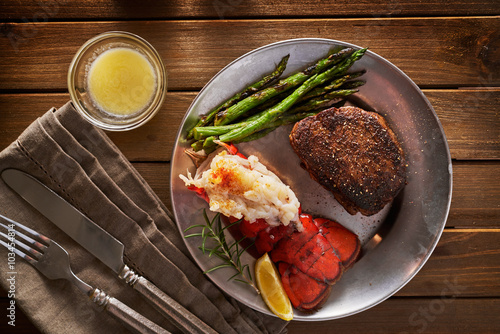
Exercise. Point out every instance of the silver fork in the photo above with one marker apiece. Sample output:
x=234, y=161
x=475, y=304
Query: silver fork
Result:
x=52, y=260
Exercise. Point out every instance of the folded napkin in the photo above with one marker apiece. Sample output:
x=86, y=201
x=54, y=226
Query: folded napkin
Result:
x=81, y=164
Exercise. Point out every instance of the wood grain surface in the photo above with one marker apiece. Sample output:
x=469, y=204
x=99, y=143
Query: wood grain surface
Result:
x=450, y=49
x=130, y=9
x=426, y=315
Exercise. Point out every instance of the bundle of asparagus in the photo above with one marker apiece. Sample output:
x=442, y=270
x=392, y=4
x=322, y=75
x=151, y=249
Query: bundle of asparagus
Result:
x=266, y=104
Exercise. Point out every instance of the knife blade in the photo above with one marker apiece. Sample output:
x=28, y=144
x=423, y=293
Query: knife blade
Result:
x=91, y=236
x=99, y=243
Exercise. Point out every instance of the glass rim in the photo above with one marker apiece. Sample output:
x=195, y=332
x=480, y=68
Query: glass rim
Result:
x=156, y=62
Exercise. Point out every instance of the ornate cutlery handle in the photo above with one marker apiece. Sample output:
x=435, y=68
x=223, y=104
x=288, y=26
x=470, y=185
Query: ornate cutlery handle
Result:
x=125, y=314
x=171, y=309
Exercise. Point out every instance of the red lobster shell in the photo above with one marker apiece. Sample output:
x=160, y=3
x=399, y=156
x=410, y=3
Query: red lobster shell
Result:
x=310, y=261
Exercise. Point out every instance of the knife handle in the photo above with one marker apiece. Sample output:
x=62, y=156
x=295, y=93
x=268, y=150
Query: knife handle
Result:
x=130, y=318
x=179, y=316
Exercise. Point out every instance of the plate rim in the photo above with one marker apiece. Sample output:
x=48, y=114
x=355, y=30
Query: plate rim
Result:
x=445, y=212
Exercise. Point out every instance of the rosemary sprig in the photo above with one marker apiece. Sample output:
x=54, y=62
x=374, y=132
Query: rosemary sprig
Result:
x=230, y=254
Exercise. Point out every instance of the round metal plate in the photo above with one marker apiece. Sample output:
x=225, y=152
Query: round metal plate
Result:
x=398, y=240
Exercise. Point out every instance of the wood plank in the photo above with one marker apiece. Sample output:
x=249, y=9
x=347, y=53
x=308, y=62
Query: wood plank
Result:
x=475, y=199
x=157, y=175
x=424, y=315
x=396, y=315
x=101, y=9
x=465, y=263
x=469, y=117
x=455, y=52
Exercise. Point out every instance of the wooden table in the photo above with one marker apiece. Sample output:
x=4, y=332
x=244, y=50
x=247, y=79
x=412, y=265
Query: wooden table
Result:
x=451, y=49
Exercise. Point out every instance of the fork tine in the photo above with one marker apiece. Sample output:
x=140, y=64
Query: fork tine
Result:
x=35, y=253
x=17, y=251
x=36, y=246
x=34, y=233
x=26, y=239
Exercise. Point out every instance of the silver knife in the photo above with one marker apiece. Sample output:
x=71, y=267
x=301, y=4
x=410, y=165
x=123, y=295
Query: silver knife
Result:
x=101, y=244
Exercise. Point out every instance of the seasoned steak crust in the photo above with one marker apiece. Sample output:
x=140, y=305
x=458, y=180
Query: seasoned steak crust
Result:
x=354, y=154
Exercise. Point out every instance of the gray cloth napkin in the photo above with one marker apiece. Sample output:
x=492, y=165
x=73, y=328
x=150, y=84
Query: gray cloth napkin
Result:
x=81, y=164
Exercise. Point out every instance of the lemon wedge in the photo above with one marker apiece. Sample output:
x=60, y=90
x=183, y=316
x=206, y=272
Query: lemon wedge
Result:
x=271, y=289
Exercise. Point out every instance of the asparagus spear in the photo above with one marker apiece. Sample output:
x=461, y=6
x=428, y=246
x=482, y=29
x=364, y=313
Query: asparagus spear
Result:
x=339, y=93
x=256, y=135
x=217, y=130
x=334, y=84
x=270, y=127
x=322, y=102
x=256, y=86
x=197, y=145
x=318, y=91
x=353, y=84
x=274, y=112
x=305, y=108
x=209, y=144
x=240, y=108
x=295, y=114
x=266, y=105
x=308, y=106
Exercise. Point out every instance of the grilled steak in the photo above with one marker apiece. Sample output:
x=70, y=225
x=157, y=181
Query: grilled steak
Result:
x=354, y=154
